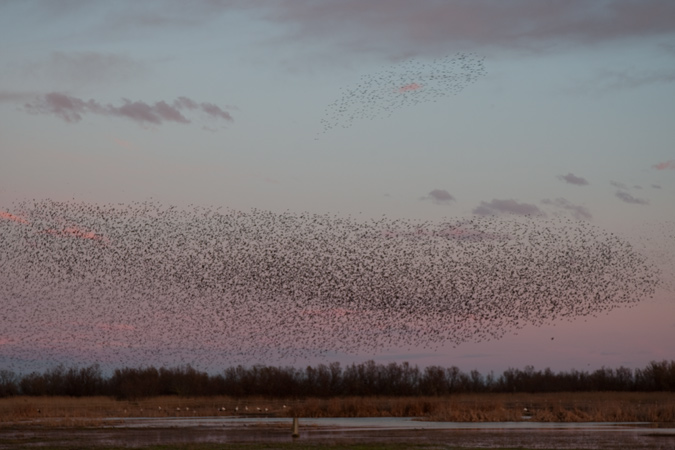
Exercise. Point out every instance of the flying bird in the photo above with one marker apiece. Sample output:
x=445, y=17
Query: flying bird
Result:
x=159, y=284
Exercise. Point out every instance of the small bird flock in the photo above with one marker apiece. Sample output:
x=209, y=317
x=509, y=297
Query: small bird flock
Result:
x=210, y=286
x=380, y=94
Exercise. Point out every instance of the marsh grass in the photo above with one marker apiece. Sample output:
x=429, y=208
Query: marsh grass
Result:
x=262, y=446
x=561, y=407
x=556, y=407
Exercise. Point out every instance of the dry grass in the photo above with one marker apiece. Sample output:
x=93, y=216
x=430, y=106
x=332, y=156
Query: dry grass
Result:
x=31, y=408
x=558, y=407
x=561, y=407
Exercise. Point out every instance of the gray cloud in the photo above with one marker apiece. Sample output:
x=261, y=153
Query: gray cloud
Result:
x=616, y=184
x=626, y=197
x=438, y=27
x=439, y=197
x=530, y=24
x=577, y=211
x=570, y=178
x=511, y=206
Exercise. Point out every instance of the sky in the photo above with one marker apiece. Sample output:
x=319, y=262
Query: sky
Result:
x=418, y=111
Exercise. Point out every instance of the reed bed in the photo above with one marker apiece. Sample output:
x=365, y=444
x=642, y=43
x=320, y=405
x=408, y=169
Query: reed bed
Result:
x=556, y=407
x=560, y=407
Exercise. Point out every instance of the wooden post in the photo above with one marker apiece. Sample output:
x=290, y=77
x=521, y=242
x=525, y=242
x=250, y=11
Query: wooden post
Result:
x=295, y=429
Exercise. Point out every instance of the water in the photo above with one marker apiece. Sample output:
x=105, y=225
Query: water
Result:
x=156, y=431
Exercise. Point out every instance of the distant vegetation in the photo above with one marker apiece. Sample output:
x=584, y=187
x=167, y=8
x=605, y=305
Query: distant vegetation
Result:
x=333, y=380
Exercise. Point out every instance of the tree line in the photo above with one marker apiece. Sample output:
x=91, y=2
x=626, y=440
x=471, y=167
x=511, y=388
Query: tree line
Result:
x=332, y=380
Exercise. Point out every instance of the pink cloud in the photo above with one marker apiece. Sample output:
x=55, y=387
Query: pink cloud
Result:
x=410, y=87
x=67, y=108
x=666, y=165
x=12, y=217
x=72, y=109
x=184, y=102
x=215, y=111
x=143, y=112
x=208, y=108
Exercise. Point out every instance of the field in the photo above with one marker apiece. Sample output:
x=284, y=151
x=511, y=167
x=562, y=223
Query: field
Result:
x=278, y=446
x=78, y=423
x=556, y=407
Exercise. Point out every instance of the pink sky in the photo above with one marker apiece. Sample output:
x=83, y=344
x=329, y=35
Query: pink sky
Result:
x=127, y=127
x=130, y=321
x=666, y=165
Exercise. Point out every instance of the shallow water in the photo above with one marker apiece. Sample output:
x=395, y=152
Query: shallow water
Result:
x=148, y=431
x=371, y=423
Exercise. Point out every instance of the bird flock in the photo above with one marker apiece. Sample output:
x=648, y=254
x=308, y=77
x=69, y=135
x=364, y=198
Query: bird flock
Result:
x=161, y=284
x=380, y=94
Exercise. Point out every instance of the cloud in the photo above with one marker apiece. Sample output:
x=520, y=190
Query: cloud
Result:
x=214, y=111
x=439, y=197
x=208, y=108
x=665, y=165
x=570, y=178
x=511, y=206
x=577, y=211
x=616, y=184
x=143, y=112
x=521, y=24
x=656, y=186
x=72, y=109
x=626, y=197
x=436, y=26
